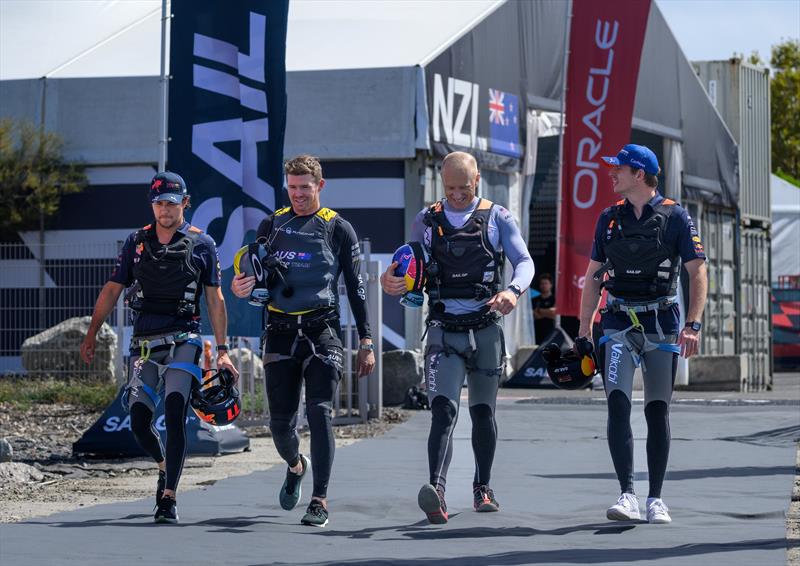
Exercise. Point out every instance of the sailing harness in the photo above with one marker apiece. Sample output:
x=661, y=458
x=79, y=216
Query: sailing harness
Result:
x=642, y=275
x=300, y=324
x=167, y=281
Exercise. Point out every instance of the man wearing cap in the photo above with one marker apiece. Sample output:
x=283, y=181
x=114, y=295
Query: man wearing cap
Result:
x=166, y=265
x=639, y=245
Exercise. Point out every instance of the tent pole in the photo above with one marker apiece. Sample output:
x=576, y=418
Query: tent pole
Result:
x=561, y=147
x=162, y=126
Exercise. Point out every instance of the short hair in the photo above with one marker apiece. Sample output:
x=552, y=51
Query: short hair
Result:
x=461, y=160
x=651, y=180
x=304, y=165
x=544, y=276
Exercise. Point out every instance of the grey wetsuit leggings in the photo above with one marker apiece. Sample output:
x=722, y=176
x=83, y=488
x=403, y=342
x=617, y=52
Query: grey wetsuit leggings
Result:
x=449, y=357
x=658, y=373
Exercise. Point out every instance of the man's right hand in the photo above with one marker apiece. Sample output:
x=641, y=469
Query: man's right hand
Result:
x=242, y=285
x=87, y=348
x=393, y=285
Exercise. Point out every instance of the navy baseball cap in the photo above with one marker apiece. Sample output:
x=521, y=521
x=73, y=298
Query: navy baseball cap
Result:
x=168, y=186
x=636, y=156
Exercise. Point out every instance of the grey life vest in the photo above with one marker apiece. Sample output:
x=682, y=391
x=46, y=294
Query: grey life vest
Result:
x=304, y=244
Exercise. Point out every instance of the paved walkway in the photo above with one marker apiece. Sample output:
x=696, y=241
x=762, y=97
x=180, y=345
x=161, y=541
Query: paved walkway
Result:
x=728, y=485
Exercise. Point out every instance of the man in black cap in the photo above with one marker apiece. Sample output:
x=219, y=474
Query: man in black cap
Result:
x=166, y=265
x=639, y=246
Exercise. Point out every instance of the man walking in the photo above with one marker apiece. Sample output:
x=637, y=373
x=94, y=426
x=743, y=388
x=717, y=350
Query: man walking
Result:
x=639, y=246
x=465, y=237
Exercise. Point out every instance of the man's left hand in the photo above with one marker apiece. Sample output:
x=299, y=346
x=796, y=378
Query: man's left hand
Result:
x=224, y=362
x=689, y=341
x=366, y=362
x=503, y=302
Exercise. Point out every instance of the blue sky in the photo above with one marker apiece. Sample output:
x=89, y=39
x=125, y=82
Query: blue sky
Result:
x=715, y=29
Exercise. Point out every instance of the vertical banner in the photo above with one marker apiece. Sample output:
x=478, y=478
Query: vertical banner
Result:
x=227, y=116
x=605, y=48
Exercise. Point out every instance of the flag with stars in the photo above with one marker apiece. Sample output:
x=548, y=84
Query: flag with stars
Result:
x=504, y=123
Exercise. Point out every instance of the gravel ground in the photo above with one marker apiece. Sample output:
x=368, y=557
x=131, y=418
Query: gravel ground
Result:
x=44, y=478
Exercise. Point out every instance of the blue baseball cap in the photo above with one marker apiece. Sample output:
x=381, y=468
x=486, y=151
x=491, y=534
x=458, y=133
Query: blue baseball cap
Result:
x=636, y=156
x=168, y=186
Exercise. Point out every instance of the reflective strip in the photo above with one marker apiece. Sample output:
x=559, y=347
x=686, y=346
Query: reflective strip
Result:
x=674, y=348
x=191, y=369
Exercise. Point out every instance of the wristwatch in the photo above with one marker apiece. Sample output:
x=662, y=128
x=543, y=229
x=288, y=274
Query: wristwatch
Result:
x=222, y=348
x=694, y=325
x=367, y=347
x=515, y=289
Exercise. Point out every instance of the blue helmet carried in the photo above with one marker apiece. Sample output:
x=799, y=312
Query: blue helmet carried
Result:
x=411, y=264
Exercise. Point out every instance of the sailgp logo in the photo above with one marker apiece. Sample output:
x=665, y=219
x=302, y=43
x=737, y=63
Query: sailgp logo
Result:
x=613, y=364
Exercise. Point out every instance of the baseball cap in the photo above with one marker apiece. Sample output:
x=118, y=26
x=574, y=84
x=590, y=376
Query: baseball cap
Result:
x=637, y=156
x=168, y=186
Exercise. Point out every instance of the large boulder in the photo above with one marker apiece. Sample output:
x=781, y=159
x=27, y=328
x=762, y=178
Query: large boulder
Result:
x=17, y=472
x=56, y=352
x=401, y=370
x=6, y=451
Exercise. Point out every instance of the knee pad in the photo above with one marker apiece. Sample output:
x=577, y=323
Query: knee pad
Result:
x=443, y=411
x=318, y=408
x=481, y=413
x=619, y=406
x=656, y=410
x=141, y=418
x=281, y=424
x=175, y=410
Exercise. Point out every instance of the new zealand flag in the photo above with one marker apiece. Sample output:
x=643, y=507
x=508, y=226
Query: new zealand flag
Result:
x=504, y=123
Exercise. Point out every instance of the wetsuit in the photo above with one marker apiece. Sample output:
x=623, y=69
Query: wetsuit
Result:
x=653, y=347
x=165, y=331
x=475, y=348
x=302, y=342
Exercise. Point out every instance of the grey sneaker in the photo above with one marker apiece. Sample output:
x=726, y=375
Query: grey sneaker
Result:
x=625, y=509
x=291, y=488
x=657, y=511
x=431, y=500
x=316, y=514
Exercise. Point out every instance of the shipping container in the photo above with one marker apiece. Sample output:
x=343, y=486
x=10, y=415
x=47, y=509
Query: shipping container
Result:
x=740, y=93
x=755, y=308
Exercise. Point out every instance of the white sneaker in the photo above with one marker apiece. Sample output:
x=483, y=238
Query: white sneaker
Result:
x=657, y=511
x=625, y=509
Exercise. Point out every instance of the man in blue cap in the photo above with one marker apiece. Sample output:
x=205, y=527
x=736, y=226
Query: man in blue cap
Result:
x=639, y=246
x=167, y=265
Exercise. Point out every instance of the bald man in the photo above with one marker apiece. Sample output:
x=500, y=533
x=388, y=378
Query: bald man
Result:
x=465, y=237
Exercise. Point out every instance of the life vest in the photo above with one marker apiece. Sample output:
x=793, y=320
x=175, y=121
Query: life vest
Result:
x=464, y=264
x=304, y=244
x=640, y=265
x=167, y=281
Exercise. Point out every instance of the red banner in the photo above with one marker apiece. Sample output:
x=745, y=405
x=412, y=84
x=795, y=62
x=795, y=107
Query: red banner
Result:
x=605, y=47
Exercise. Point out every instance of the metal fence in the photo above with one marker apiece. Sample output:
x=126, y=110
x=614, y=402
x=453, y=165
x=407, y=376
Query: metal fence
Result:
x=47, y=293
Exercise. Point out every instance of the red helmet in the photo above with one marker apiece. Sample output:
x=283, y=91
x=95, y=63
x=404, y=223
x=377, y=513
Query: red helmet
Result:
x=216, y=400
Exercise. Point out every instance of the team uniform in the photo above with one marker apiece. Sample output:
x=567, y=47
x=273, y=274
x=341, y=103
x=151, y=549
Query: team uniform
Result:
x=466, y=249
x=302, y=342
x=165, y=285
x=641, y=324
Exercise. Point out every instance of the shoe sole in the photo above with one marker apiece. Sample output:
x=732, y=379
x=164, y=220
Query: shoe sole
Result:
x=166, y=521
x=618, y=515
x=310, y=524
x=660, y=521
x=487, y=508
x=428, y=501
x=299, y=491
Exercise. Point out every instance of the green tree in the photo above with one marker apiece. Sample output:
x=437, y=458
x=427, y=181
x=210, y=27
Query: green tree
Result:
x=33, y=176
x=785, y=95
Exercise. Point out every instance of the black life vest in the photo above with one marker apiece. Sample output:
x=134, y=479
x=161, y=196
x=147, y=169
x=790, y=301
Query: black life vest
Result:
x=167, y=281
x=464, y=264
x=640, y=265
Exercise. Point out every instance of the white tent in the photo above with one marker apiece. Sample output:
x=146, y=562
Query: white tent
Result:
x=785, y=228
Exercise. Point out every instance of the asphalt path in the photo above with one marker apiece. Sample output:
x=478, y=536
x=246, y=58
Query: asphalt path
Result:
x=728, y=486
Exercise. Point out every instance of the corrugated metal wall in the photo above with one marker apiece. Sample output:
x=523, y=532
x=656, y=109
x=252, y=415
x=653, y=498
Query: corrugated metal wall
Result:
x=755, y=308
x=717, y=232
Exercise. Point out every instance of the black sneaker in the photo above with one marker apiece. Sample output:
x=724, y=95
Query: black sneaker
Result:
x=431, y=500
x=166, y=511
x=162, y=482
x=483, y=500
x=290, y=490
x=316, y=515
